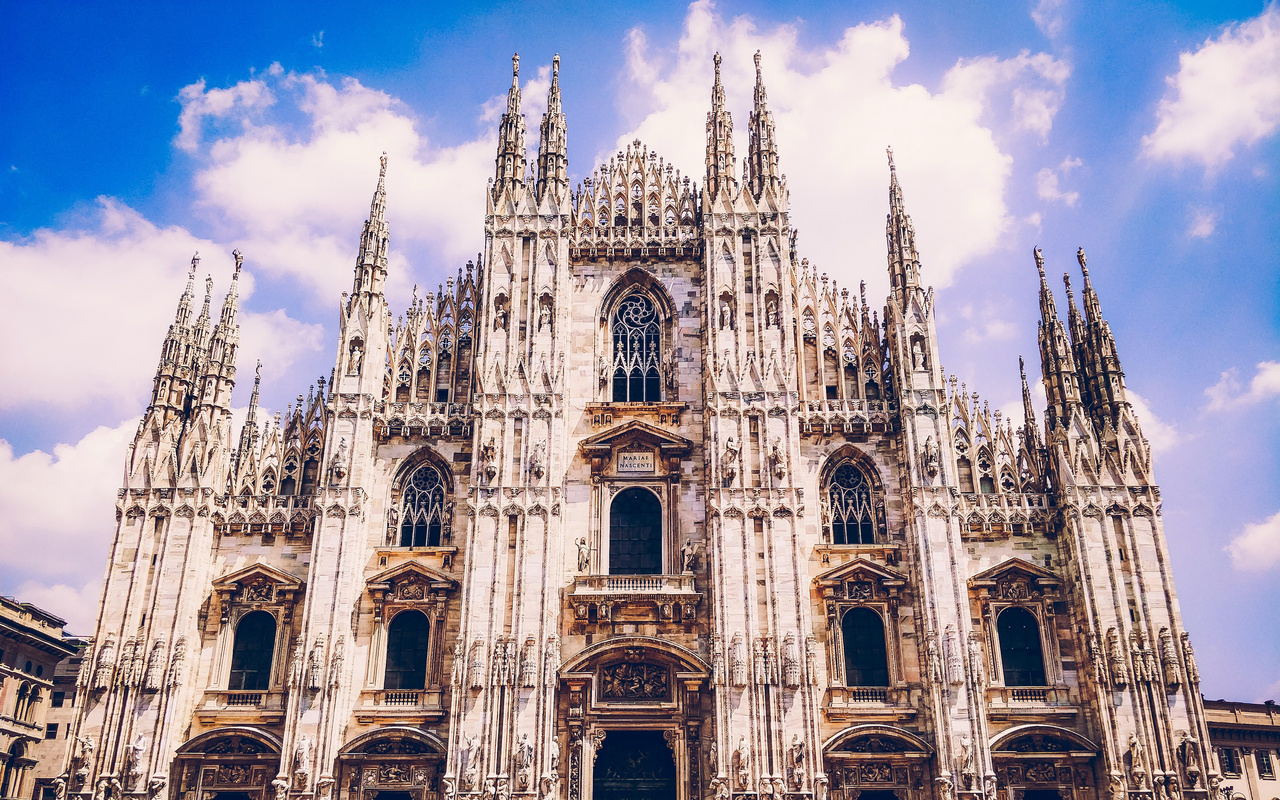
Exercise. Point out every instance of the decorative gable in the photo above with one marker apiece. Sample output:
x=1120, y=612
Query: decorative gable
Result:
x=1015, y=579
x=860, y=579
x=410, y=583
x=635, y=448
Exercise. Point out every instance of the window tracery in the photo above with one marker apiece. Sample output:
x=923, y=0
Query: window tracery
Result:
x=637, y=348
x=852, y=511
x=422, y=508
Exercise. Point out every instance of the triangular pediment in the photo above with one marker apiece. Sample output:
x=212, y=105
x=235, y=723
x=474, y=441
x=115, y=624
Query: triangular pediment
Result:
x=860, y=569
x=1015, y=578
x=255, y=573
x=636, y=431
x=412, y=572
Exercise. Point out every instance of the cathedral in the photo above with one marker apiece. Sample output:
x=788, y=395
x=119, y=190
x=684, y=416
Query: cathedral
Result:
x=635, y=507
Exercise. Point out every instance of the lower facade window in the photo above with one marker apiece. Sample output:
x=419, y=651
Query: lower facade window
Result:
x=407, y=639
x=1230, y=761
x=1265, y=768
x=252, y=652
x=866, y=661
x=1020, y=651
x=635, y=533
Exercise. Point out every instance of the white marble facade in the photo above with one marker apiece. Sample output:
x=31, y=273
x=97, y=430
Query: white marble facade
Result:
x=639, y=475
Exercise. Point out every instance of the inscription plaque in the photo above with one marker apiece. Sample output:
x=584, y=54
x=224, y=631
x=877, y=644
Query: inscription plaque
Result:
x=636, y=462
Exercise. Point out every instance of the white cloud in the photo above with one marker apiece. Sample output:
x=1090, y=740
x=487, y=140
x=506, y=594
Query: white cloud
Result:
x=1047, y=16
x=1203, y=222
x=1161, y=435
x=108, y=288
x=296, y=196
x=317, y=40
x=61, y=502
x=1258, y=546
x=1047, y=182
x=198, y=104
x=1225, y=94
x=836, y=108
x=1226, y=393
x=985, y=325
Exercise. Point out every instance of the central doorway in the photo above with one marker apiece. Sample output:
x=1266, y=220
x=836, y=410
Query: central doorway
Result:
x=634, y=765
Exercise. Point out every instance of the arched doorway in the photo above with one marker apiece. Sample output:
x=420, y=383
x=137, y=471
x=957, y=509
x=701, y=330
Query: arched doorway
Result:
x=634, y=765
x=227, y=764
x=391, y=763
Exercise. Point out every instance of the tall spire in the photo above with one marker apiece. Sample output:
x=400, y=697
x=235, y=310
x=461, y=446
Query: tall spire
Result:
x=719, y=140
x=900, y=235
x=1102, y=376
x=511, y=153
x=184, y=304
x=220, y=364
x=1061, y=383
x=249, y=431
x=553, y=155
x=762, y=152
x=371, y=263
x=1028, y=410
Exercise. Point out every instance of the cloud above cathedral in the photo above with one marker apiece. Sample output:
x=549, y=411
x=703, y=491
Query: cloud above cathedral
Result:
x=1225, y=94
x=836, y=108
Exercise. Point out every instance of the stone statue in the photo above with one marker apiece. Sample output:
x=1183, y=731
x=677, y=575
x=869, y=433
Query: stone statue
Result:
x=1189, y=655
x=726, y=315
x=935, y=658
x=771, y=314
x=742, y=764
x=777, y=461
x=688, y=554
x=524, y=761
x=1137, y=763
x=302, y=763
x=918, y=361
x=156, y=785
x=338, y=464
x=537, y=457
x=729, y=462
x=584, y=554
x=544, y=317
x=356, y=359
x=930, y=459
x=795, y=763
x=471, y=762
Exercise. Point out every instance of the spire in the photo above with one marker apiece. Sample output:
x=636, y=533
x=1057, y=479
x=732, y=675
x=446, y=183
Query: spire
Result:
x=553, y=156
x=249, y=431
x=371, y=263
x=719, y=140
x=1028, y=410
x=511, y=153
x=184, y=304
x=1103, y=379
x=1061, y=383
x=904, y=262
x=231, y=304
x=762, y=152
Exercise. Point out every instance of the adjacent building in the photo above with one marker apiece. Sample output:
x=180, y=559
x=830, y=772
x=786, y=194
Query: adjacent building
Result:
x=640, y=504
x=31, y=646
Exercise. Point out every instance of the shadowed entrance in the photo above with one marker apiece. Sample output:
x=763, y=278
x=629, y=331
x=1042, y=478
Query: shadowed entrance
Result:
x=634, y=765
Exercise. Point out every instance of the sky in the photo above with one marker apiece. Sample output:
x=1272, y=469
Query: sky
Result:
x=136, y=134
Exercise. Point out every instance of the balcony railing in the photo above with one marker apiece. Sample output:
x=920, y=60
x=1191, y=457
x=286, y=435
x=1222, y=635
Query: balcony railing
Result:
x=244, y=699
x=1029, y=699
x=402, y=697
x=633, y=584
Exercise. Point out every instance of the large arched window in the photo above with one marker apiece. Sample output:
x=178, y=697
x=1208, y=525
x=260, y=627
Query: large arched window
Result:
x=407, y=638
x=422, y=508
x=866, y=663
x=1020, y=652
x=635, y=533
x=852, y=512
x=252, y=652
x=637, y=348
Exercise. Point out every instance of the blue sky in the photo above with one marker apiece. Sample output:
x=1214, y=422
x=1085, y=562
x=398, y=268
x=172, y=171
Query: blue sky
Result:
x=1147, y=133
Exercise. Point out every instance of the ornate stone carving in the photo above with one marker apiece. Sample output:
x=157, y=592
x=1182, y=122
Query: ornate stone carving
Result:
x=628, y=681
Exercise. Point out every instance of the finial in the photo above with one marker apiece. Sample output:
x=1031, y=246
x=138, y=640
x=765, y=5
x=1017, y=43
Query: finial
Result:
x=239, y=260
x=382, y=165
x=716, y=59
x=208, y=287
x=1022, y=369
x=195, y=262
x=1039, y=261
x=257, y=374
x=889, y=151
x=515, y=67
x=1066, y=281
x=757, y=60
x=1083, y=265
x=555, y=66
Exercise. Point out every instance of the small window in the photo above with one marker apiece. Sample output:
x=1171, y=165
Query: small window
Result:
x=51, y=731
x=251, y=654
x=852, y=513
x=407, y=639
x=987, y=485
x=1265, y=767
x=1020, y=652
x=866, y=662
x=637, y=335
x=58, y=699
x=1230, y=761
x=965, y=471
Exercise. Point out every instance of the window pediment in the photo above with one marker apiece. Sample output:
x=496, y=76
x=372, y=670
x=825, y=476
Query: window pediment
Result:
x=257, y=583
x=410, y=583
x=860, y=576
x=604, y=450
x=1016, y=579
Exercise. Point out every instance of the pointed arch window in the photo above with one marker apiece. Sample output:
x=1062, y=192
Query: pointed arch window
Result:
x=635, y=533
x=1020, y=651
x=251, y=655
x=422, y=508
x=850, y=505
x=407, y=640
x=866, y=660
x=637, y=340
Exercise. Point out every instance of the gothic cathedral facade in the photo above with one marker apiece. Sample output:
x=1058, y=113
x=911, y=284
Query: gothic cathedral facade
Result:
x=638, y=506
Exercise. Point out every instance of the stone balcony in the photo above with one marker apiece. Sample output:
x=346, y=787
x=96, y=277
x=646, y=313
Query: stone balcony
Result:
x=409, y=419
x=868, y=703
x=229, y=707
x=634, y=598
x=400, y=706
x=1005, y=702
